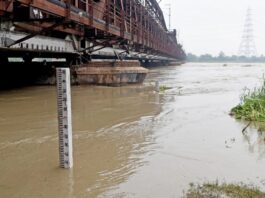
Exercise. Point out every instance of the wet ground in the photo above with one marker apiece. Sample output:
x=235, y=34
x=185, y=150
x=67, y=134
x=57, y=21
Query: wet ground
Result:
x=132, y=141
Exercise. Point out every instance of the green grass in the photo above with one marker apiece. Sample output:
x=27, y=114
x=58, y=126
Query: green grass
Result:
x=215, y=190
x=252, y=105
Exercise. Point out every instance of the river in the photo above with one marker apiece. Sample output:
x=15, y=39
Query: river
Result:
x=131, y=141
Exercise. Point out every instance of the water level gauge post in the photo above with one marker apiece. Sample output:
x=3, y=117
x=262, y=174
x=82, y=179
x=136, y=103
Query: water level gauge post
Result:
x=64, y=117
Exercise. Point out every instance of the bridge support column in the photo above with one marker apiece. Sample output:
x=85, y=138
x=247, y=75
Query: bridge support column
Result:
x=64, y=117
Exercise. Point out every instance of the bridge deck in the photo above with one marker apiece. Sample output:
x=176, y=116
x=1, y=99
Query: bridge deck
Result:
x=140, y=26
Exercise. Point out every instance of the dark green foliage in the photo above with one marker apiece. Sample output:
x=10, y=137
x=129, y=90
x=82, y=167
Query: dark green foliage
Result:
x=252, y=105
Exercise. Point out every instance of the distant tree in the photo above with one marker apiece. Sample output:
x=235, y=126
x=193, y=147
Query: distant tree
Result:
x=192, y=57
x=221, y=55
x=234, y=58
x=223, y=58
x=206, y=58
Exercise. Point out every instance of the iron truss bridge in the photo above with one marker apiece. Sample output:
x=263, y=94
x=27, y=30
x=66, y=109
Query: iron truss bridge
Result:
x=61, y=28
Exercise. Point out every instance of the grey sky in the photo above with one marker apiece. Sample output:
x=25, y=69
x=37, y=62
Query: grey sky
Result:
x=211, y=26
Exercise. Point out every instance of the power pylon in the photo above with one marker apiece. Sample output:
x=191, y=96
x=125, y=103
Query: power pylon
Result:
x=247, y=47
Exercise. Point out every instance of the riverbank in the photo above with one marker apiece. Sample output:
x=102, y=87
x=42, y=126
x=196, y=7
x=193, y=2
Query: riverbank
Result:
x=216, y=189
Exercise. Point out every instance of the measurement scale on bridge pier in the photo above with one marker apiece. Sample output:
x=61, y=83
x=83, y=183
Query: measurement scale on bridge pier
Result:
x=64, y=117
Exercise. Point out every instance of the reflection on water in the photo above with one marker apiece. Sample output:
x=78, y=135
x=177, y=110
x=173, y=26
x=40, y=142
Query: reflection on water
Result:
x=132, y=141
x=255, y=139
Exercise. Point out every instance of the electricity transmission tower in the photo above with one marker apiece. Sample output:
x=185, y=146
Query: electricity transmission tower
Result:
x=247, y=47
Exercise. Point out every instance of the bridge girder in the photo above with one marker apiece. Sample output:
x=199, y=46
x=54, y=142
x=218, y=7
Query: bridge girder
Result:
x=141, y=24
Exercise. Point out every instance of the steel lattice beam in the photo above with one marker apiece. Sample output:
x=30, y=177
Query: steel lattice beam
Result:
x=139, y=23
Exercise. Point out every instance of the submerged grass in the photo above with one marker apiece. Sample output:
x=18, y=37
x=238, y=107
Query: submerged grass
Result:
x=216, y=190
x=252, y=105
x=163, y=88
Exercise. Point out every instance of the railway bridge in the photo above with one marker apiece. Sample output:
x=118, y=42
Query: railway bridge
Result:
x=40, y=37
x=81, y=30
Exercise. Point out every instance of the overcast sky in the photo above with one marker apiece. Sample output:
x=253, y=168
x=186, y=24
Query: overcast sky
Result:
x=211, y=26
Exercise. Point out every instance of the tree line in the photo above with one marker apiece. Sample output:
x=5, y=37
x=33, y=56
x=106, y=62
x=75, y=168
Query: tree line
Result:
x=224, y=58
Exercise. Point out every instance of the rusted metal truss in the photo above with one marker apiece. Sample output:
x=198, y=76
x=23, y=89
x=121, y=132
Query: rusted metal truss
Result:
x=138, y=22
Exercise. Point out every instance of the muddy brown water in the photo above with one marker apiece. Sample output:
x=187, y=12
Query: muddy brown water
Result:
x=132, y=141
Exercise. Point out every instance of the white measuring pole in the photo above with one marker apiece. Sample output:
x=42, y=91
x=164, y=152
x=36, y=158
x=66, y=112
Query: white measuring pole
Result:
x=64, y=117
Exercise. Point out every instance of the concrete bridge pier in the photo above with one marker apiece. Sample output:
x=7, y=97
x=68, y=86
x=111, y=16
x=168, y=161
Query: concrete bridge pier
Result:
x=110, y=73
